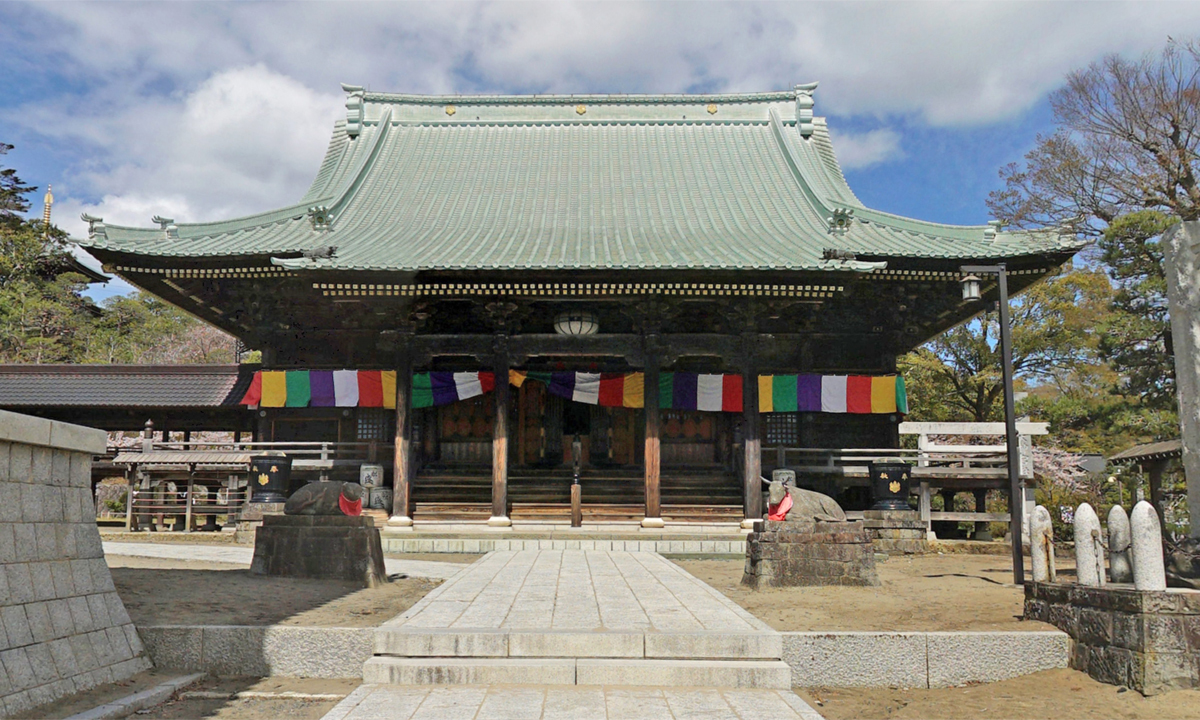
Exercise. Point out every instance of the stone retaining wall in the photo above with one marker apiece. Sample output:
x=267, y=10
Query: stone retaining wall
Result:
x=1146, y=640
x=63, y=629
x=844, y=659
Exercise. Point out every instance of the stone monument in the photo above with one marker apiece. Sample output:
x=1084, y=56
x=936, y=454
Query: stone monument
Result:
x=1119, y=541
x=1181, y=263
x=1141, y=635
x=806, y=540
x=1041, y=546
x=1089, y=548
x=322, y=534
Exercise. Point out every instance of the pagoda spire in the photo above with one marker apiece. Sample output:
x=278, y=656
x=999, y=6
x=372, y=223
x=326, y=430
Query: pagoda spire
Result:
x=48, y=201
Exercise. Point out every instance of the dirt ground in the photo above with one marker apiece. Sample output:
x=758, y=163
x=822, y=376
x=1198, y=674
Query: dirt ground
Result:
x=95, y=697
x=920, y=593
x=253, y=699
x=1047, y=695
x=171, y=592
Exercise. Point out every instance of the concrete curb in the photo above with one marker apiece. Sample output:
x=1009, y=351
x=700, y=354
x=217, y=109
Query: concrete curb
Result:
x=261, y=651
x=837, y=659
x=919, y=659
x=130, y=704
x=396, y=543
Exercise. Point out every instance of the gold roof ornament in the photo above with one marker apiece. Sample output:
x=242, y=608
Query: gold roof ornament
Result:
x=450, y=109
x=712, y=109
x=581, y=109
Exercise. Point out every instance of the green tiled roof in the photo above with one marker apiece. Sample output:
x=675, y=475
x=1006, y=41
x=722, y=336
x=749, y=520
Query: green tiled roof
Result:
x=414, y=183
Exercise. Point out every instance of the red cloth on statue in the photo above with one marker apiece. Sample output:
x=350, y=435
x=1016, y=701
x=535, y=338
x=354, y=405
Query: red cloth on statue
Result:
x=779, y=512
x=353, y=509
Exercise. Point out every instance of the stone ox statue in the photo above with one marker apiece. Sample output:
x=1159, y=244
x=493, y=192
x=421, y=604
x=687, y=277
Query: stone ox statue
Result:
x=326, y=498
x=792, y=504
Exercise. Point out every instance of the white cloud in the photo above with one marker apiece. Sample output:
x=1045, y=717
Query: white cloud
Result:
x=244, y=140
x=860, y=150
x=206, y=111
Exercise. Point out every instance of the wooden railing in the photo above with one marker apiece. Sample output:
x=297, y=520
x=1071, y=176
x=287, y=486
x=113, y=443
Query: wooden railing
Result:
x=936, y=465
x=306, y=455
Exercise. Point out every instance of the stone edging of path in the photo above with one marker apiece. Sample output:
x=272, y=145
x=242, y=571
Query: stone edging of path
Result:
x=834, y=659
x=920, y=659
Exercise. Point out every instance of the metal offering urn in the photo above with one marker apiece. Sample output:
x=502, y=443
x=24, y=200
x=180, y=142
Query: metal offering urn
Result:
x=890, y=480
x=270, y=476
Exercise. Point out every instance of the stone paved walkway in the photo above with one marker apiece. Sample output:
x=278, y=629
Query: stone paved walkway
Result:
x=501, y=702
x=578, y=590
x=237, y=555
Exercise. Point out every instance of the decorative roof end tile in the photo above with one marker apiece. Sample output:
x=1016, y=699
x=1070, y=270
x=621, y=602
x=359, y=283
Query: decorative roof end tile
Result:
x=804, y=108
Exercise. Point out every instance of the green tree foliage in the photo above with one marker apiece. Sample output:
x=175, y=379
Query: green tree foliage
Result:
x=957, y=376
x=1135, y=334
x=12, y=193
x=44, y=317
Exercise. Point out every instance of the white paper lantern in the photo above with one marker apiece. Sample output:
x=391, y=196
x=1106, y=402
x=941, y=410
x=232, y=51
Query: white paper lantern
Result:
x=576, y=323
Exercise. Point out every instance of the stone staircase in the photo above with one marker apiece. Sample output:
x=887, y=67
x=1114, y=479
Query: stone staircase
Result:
x=577, y=618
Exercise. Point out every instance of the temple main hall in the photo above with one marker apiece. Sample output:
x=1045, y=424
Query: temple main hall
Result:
x=506, y=295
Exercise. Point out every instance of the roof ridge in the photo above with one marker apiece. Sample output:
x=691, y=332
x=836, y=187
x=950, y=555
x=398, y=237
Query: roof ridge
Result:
x=554, y=99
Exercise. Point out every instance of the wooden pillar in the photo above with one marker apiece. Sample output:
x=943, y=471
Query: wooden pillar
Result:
x=752, y=474
x=499, y=516
x=402, y=453
x=653, y=517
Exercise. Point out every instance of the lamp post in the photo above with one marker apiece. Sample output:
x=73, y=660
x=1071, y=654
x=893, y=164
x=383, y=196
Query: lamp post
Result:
x=971, y=292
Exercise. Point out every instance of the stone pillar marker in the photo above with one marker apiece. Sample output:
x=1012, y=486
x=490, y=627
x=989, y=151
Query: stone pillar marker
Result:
x=1041, y=546
x=1118, y=546
x=1148, y=570
x=1181, y=258
x=1089, y=553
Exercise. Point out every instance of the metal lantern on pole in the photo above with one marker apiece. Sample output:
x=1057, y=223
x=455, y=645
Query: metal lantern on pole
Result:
x=971, y=288
x=972, y=292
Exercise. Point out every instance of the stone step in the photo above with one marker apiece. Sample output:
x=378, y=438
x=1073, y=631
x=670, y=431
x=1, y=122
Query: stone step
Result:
x=545, y=671
x=685, y=673
x=468, y=671
x=430, y=643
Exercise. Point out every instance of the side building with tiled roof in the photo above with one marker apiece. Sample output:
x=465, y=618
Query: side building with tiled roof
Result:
x=683, y=245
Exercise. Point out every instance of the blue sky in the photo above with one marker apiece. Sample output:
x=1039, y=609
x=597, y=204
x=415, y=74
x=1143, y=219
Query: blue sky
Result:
x=203, y=111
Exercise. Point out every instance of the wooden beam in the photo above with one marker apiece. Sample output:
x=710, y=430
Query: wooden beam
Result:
x=653, y=517
x=499, y=516
x=402, y=454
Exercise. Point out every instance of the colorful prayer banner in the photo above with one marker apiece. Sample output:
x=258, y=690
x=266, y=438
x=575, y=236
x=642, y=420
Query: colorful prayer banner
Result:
x=856, y=394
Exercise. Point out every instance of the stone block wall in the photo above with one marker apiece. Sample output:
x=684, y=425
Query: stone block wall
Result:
x=782, y=554
x=63, y=629
x=1146, y=640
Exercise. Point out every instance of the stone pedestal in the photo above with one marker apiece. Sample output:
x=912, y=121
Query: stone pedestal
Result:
x=895, y=532
x=787, y=554
x=1146, y=640
x=333, y=547
x=251, y=517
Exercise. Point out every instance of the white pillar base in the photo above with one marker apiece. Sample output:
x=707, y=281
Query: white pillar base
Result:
x=499, y=522
x=399, y=522
x=748, y=524
x=653, y=523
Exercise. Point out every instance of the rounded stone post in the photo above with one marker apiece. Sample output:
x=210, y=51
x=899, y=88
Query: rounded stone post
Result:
x=1148, y=570
x=1041, y=545
x=1119, y=570
x=1089, y=553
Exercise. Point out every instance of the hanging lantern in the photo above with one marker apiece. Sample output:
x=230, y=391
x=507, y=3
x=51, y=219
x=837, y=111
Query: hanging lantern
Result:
x=970, y=288
x=576, y=323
